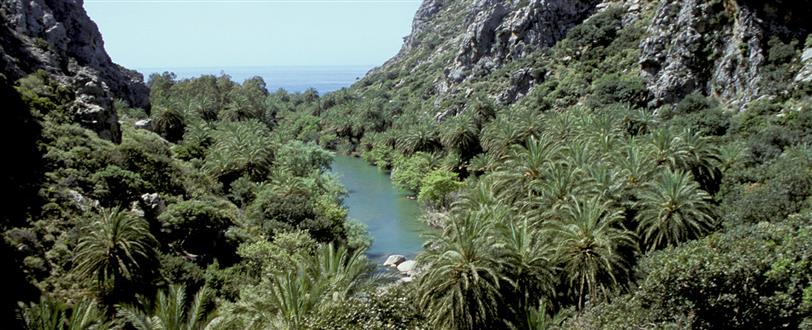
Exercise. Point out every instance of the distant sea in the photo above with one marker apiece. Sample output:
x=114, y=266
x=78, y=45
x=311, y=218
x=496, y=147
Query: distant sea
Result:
x=324, y=79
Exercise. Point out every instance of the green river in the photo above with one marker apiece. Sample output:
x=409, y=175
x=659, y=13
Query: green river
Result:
x=373, y=200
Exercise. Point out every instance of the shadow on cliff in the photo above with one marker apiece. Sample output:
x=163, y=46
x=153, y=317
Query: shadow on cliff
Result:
x=19, y=182
x=786, y=19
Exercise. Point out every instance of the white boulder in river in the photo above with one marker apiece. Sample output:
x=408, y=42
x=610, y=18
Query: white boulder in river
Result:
x=407, y=266
x=394, y=260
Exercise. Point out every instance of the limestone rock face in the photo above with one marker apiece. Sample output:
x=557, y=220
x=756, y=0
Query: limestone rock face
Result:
x=805, y=75
x=714, y=47
x=719, y=48
x=144, y=124
x=483, y=35
x=421, y=21
x=500, y=31
x=58, y=37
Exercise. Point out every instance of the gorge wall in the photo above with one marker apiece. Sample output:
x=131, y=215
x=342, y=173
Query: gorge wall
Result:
x=57, y=36
x=715, y=47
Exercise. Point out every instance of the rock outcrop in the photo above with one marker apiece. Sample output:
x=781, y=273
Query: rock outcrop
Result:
x=394, y=260
x=500, y=31
x=492, y=34
x=421, y=22
x=58, y=37
x=716, y=47
x=805, y=75
x=407, y=266
x=719, y=48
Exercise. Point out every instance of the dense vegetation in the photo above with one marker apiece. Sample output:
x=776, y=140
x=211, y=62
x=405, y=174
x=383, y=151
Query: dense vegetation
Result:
x=583, y=205
x=207, y=220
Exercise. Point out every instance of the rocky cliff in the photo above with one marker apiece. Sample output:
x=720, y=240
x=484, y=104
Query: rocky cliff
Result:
x=719, y=48
x=58, y=37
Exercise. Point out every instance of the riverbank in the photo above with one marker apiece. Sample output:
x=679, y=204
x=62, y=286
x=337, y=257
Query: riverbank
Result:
x=392, y=219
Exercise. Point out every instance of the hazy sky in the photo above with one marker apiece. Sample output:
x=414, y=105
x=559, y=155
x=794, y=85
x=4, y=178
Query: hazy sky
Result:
x=206, y=33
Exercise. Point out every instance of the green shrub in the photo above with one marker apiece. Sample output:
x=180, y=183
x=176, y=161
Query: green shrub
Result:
x=774, y=191
x=436, y=187
x=599, y=30
x=752, y=277
x=150, y=156
x=303, y=158
x=409, y=171
x=392, y=309
x=198, y=227
x=611, y=89
x=115, y=186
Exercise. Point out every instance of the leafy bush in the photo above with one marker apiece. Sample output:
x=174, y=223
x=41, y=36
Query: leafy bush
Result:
x=774, y=191
x=150, y=156
x=409, y=171
x=436, y=187
x=750, y=277
x=303, y=158
x=600, y=30
x=117, y=187
x=198, y=228
x=611, y=89
x=392, y=309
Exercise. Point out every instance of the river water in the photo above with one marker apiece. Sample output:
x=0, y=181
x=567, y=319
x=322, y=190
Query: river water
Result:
x=373, y=200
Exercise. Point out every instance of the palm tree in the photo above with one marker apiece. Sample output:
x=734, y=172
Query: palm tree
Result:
x=499, y=135
x=333, y=274
x=704, y=160
x=116, y=249
x=461, y=287
x=636, y=165
x=590, y=248
x=420, y=137
x=294, y=295
x=730, y=155
x=169, y=311
x=526, y=165
x=608, y=181
x=529, y=264
x=528, y=122
x=640, y=122
x=483, y=110
x=346, y=272
x=562, y=182
x=240, y=108
x=538, y=319
x=240, y=148
x=673, y=209
x=579, y=154
x=170, y=124
x=461, y=133
x=477, y=197
x=50, y=314
x=481, y=163
x=669, y=150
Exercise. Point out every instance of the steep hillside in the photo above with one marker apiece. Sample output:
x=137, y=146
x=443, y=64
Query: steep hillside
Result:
x=58, y=37
x=553, y=55
x=719, y=48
